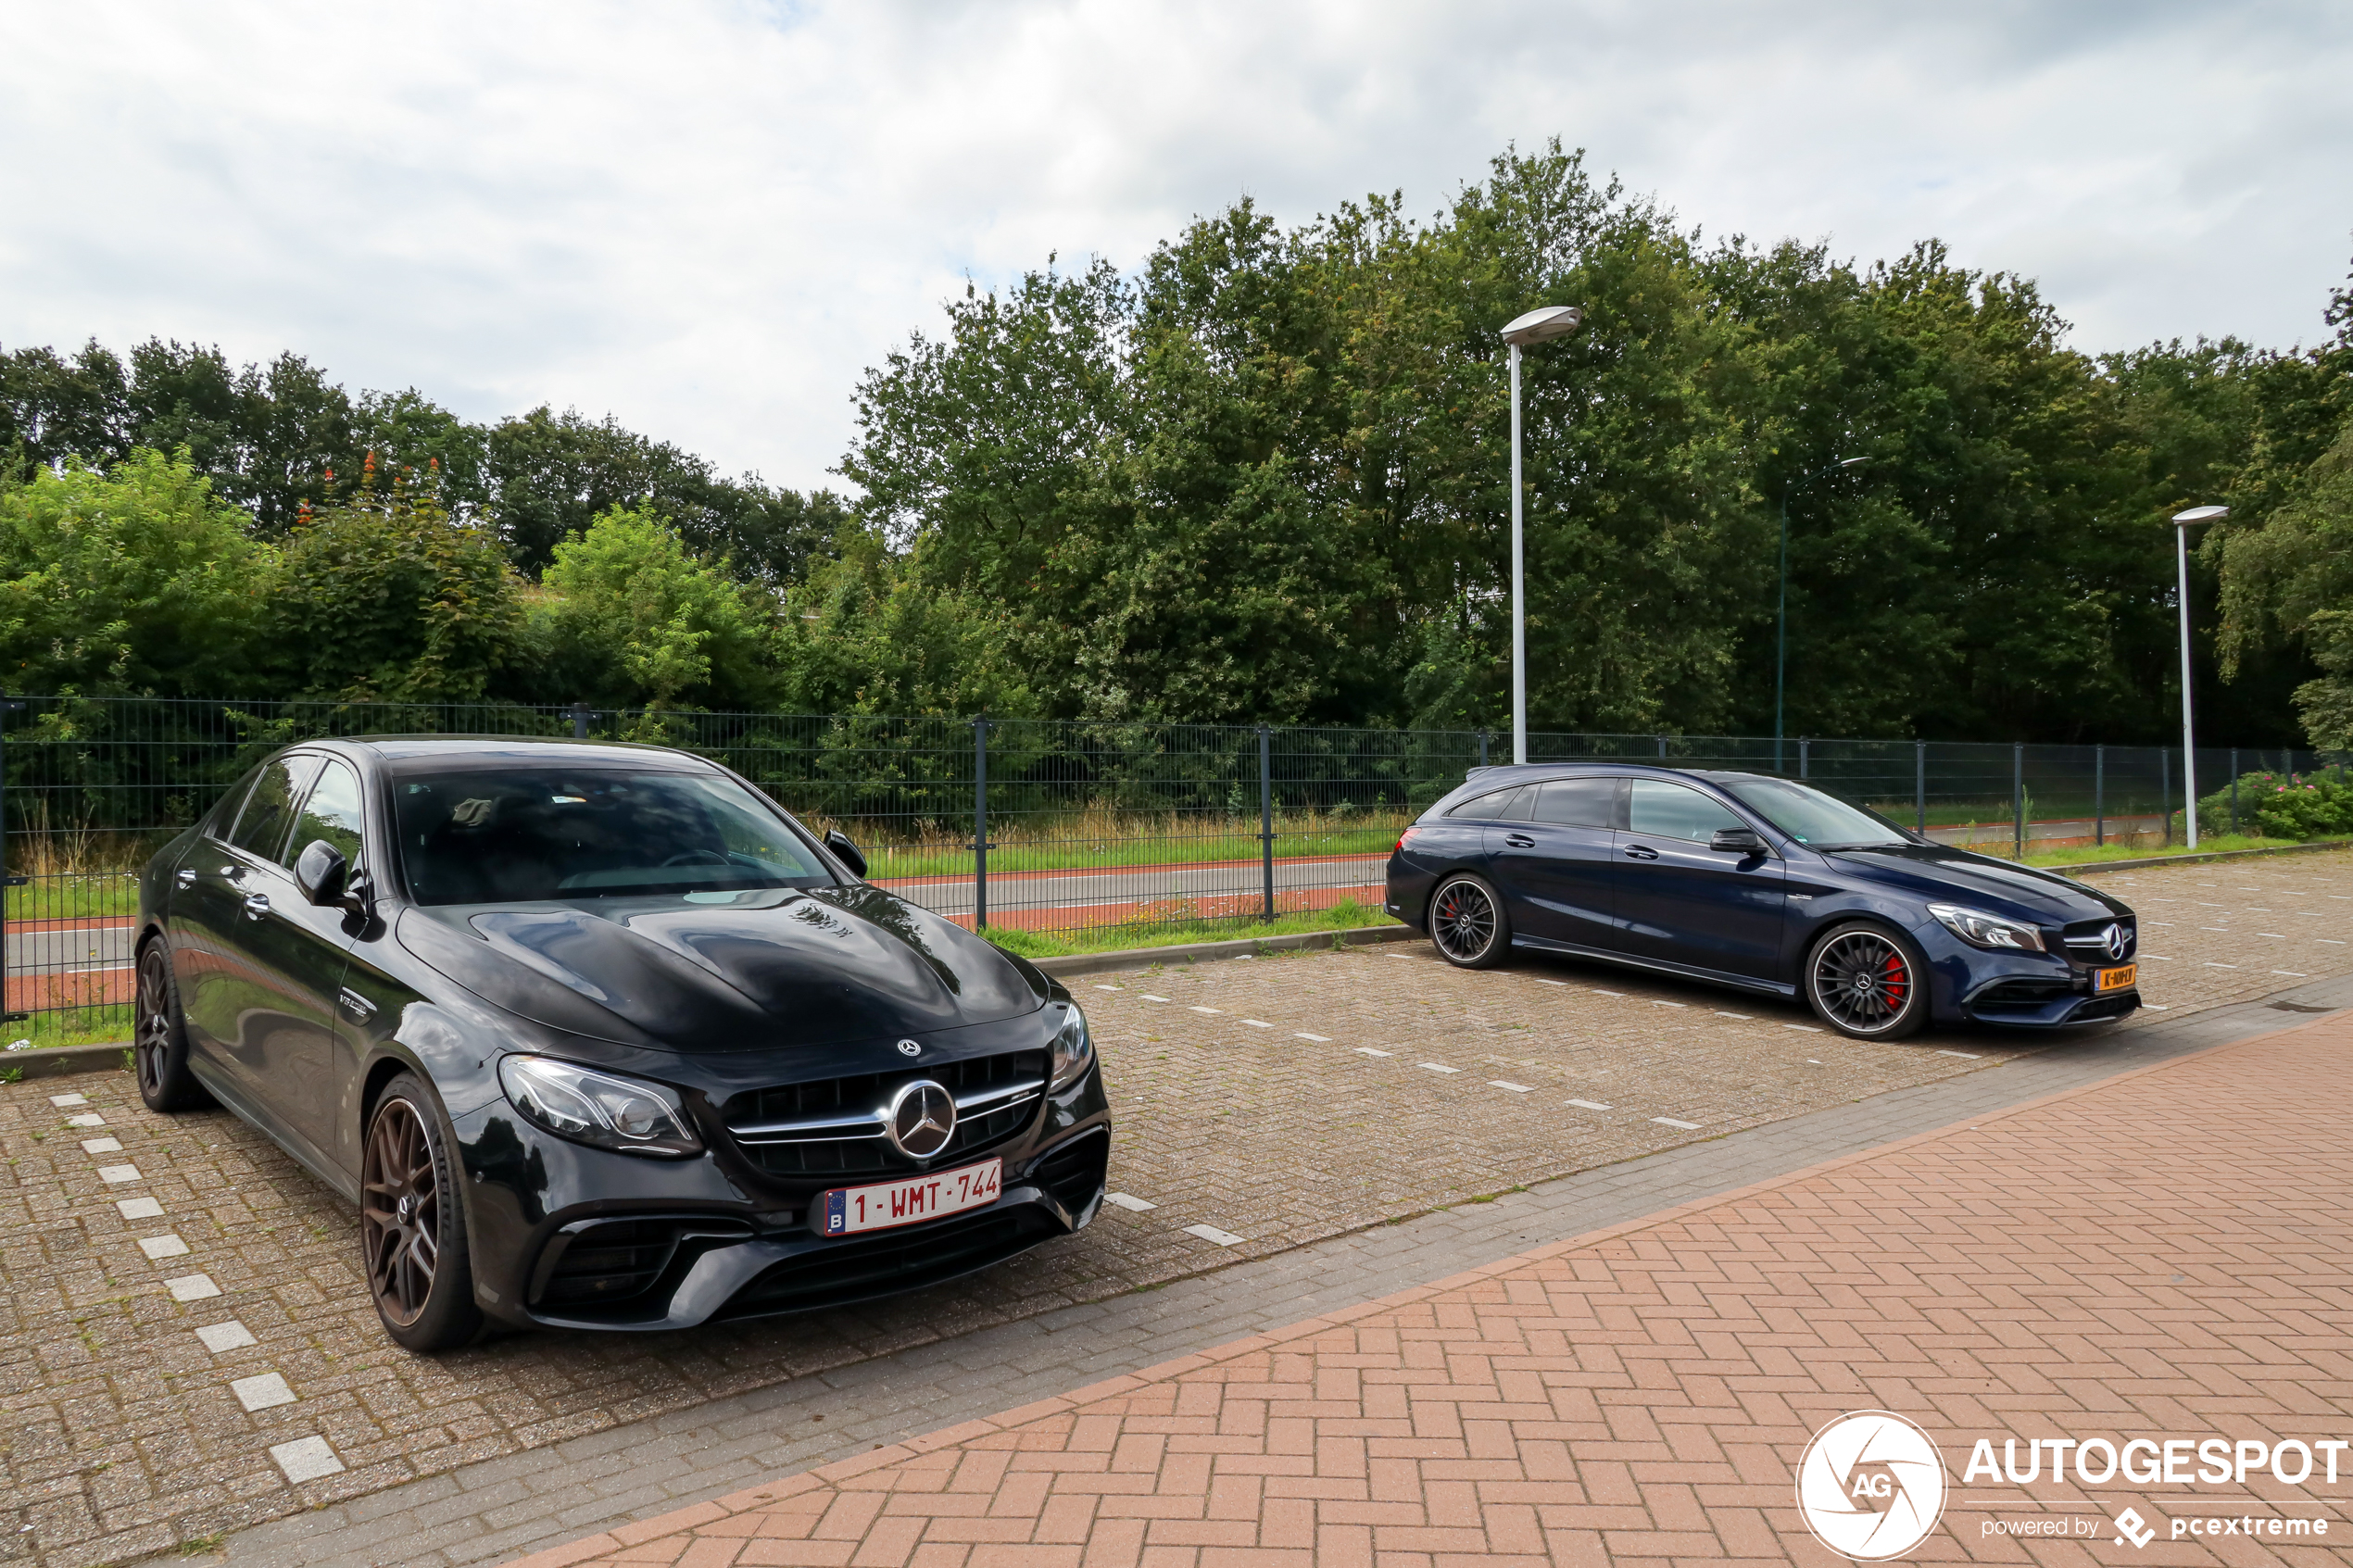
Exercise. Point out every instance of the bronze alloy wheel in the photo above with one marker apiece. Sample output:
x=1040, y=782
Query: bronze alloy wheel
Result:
x=1864, y=982
x=400, y=1216
x=159, y=1044
x=1466, y=925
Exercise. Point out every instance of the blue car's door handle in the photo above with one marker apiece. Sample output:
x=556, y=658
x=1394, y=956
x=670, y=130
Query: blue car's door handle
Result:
x=1642, y=852
x=1519, y=841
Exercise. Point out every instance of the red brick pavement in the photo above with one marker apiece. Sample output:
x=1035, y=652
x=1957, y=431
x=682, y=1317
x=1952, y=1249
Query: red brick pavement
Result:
x=2159, y=1255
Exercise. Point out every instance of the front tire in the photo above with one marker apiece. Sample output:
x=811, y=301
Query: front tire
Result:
x=1467, y=924
x=1868, y=983
x=159, y=1038
x=412, y=1225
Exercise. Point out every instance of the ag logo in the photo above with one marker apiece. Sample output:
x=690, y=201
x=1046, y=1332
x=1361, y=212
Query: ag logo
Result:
x=1871, y=1486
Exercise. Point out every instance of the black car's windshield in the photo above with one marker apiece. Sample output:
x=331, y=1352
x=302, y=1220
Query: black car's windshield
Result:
x=512, y=835
x=1810, y=817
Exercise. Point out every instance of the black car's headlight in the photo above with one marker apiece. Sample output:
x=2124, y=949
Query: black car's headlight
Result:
x=1074, y=1049
x=603, y=1109
x=1981, y=930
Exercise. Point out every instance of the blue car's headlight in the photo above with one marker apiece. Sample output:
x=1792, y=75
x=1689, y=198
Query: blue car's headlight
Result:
x=603, y=1109
x=1074, y=1049
x=1981, y=930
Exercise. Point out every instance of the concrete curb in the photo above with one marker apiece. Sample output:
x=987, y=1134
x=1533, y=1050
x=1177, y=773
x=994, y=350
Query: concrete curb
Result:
x=2097, y=867
x=1202, y=952
x=56, y=1062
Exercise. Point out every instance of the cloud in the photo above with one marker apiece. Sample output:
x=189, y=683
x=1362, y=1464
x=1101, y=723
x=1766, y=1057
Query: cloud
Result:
x=706, y=218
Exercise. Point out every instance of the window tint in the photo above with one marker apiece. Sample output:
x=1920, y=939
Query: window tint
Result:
x=528, y=833
x=261, y=826
x=1579, y=803
x=1672, y=810
x=222, y=819
x=332, y=813
x=1501, y=804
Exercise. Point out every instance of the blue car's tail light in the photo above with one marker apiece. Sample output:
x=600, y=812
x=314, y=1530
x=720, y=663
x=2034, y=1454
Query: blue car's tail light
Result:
x=602, y=1108
x=1981, y=930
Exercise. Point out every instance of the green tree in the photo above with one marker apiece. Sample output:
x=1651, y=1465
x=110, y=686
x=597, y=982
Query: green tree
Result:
x=135, y=580
x=632, y=617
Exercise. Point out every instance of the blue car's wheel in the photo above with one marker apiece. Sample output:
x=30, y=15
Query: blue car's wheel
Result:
x=1466, y=924
x=1867, y=982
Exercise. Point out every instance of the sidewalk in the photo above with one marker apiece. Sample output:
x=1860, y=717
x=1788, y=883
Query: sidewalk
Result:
x=2162, y=1255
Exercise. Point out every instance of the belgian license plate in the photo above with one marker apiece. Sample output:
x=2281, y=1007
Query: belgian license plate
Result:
x=847, y=1210
x=2116, y=979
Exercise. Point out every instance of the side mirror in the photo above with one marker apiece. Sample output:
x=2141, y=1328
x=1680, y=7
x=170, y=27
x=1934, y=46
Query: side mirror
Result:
x=845, y=851
x=322, y=872
x=1737, y=841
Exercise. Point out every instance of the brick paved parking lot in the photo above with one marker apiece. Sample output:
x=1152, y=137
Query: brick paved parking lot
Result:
x=1263, y=1104
x=2163, y=1256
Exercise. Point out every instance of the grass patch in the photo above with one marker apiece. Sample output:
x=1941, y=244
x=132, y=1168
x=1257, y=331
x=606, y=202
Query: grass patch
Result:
x=68, y=1027
x=1345, y=915
x=2087, y=854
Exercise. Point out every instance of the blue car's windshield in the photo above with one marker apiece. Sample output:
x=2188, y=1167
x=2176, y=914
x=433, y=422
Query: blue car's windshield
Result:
x=1818, y=820
x=529, y=833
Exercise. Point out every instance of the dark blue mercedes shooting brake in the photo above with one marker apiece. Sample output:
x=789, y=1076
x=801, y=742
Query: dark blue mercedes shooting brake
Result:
x=1759, y=882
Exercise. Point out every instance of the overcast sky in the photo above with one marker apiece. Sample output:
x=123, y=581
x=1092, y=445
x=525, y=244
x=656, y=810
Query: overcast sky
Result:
x=706, y=218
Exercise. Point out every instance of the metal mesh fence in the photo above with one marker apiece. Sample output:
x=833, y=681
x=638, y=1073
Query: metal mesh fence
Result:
x=1042, y=826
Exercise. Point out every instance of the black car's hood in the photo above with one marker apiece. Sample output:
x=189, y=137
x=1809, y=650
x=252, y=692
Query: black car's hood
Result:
x=1939, y=872
x=774, y=968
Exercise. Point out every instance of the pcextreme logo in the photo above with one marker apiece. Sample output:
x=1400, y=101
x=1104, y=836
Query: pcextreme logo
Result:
x=1871, y=1486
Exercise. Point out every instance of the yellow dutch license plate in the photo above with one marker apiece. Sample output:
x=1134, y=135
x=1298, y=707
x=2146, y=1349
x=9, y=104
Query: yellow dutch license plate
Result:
x=2116, y=979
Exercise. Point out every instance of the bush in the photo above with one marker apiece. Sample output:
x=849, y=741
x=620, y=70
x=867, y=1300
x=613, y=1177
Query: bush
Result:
x=2293, y=806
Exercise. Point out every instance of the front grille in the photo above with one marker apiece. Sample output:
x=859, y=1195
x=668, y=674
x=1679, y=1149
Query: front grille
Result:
x=859, y=1269
x=2086, y=941
x=1074, y=1173
x=2105, y=1007
x=832, y=1126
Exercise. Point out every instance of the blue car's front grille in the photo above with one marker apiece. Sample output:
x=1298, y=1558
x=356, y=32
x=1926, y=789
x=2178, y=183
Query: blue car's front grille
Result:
x=2086, y=942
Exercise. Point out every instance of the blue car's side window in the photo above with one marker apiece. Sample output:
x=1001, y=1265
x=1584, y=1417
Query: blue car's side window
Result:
x=1669, y=810
x=1578, y=803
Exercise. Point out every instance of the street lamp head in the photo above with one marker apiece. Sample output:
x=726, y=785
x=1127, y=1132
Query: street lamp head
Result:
x=1537, y=326
x=1850, y=462
x=2201, y=514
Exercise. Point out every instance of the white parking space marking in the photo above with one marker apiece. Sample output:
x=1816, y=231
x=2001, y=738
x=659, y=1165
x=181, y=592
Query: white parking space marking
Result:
x=165, y=1246
x=1655, y=1002
x=1541, y=981
x=1129, y=1202
x=138, y=1209
x=263, y=1392
x=93, y=1120
x=1599, y=992
x=1436, y=1067
x=1670, y=1122
x=190, y=1287
x=1809, y=1028
x=1211, y=1233
x=2293, y=973
x=1111, y=987
x=1258, y=1024
x=1589, y=1105
x=102, y=1145
x=1743, y=1017
x=117, y=1173
x=1515, y=1088
x=2211, y=964
x=305, y=1458
x=1319, y=1039
x=222, y=1337
x=1367, y=1051
x=1150, y=998
x=1208, y=1010
x=68, y=1099
x=1965, y=1056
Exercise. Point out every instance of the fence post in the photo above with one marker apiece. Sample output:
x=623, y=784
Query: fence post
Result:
x=1920, y=784
x=580, y=715
x=7, y=1013
x=2234, y=789
x=1266, y=816
x=1662, y=748
x=2099, y=797
x=980, y=823
x=1482, y=748
x=1802, y=762
x=2018, y=800
x=2165, y=790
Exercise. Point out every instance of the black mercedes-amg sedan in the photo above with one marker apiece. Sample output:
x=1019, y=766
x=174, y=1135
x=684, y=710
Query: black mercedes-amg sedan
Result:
x=1763, y=883
x=597, y=1036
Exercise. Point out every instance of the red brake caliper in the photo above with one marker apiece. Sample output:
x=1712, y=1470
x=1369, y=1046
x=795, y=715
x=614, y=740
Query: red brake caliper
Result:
x=1895, y=982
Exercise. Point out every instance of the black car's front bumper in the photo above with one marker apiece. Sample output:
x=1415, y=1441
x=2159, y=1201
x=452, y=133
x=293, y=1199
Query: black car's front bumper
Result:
x=2022, y=990
x=569, y=1236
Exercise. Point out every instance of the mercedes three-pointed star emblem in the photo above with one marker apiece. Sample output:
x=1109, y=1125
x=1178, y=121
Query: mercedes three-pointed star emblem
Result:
x=921, y=1120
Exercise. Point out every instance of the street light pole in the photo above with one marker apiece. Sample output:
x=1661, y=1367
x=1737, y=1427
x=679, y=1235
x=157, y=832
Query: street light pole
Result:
x=1538, y=326
x=1780, y=635
x=2181, y=521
